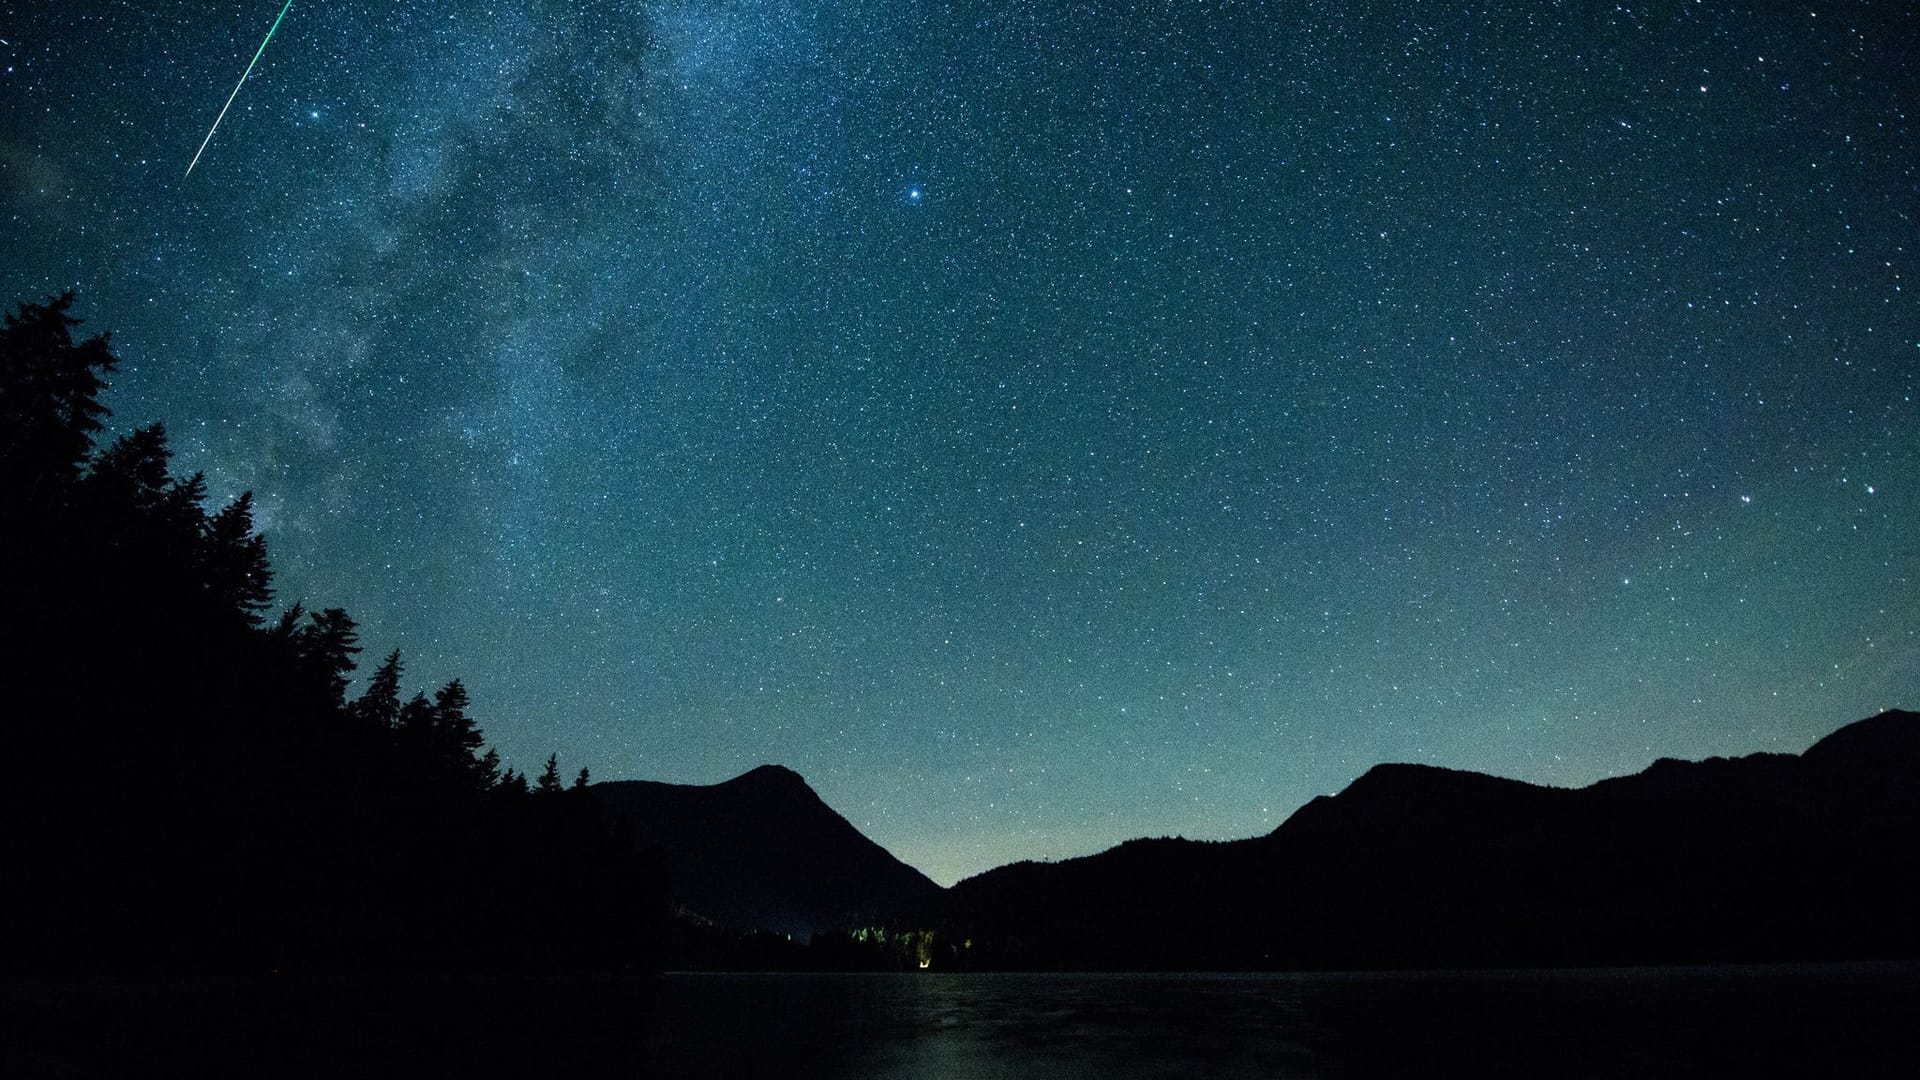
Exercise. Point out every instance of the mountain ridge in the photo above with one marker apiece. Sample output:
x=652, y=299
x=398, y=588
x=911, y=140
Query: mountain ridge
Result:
x=1761, y=856
x=1841, y=741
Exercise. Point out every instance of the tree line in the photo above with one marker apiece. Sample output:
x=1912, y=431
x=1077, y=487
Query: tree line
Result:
x=191, y=785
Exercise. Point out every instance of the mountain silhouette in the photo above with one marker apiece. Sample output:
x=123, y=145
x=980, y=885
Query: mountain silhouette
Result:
x=1760, y=858
x=762, y=852
x=1765, y=857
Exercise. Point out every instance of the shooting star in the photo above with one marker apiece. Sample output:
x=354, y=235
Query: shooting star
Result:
x=236, y=88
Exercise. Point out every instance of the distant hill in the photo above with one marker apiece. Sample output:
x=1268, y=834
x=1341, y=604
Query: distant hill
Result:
x=1767, y=857
x=762, y=851
x=1758, y=858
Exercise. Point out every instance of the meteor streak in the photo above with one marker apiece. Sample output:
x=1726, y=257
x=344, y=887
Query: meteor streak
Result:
x=236, y=88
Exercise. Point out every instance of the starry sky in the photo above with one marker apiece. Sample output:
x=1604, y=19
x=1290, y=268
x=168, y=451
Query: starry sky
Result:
x=1039, y=424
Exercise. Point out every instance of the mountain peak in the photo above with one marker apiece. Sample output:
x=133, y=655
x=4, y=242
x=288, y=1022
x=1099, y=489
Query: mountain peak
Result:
x=1415, y=780
x=1877, y=737
x=770, y=776
x=764, y=851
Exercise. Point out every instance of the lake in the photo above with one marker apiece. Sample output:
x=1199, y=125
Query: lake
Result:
x=1827, y=1020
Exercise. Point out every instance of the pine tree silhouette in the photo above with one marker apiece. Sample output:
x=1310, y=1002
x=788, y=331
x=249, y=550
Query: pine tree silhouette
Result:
x=457, y=738
x=234, y=561
x=488, y=769
x=549, y=782
x=379, y=704
x=49, y=399
x=326, y=645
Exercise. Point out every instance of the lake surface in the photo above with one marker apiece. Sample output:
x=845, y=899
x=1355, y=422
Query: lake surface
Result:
x=1825, y=1020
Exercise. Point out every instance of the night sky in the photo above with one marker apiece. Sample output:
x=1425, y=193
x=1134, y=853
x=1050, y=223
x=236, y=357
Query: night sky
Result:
x=1038, y=424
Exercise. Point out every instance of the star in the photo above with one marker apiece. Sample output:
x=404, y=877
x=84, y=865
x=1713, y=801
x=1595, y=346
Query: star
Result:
x=1105, y=404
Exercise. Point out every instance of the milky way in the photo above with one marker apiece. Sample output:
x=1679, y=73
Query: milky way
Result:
x=1037, y=424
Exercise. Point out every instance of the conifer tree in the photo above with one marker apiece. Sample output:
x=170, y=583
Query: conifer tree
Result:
x=49, y=399
x=488, y=769
x=132, y=470
x=415, y=722
x=456, y=737
x=326, y=646
x=233, y=561
x=379, y=705
x=450, y=720
x=549, y=782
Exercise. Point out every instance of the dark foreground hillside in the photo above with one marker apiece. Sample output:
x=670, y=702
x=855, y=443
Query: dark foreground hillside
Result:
x=190, y=787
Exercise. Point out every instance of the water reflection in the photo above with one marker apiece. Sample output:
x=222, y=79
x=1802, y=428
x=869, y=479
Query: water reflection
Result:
x=1605, y=1023
x=1829, y=1020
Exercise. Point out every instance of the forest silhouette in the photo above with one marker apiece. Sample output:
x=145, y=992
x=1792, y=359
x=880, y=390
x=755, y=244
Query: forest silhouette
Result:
x=193, y=787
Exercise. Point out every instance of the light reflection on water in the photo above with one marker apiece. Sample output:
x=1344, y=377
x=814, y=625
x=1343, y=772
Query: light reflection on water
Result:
x=1855, y=1021
x=1044, y=1026
x=1636, y=1023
